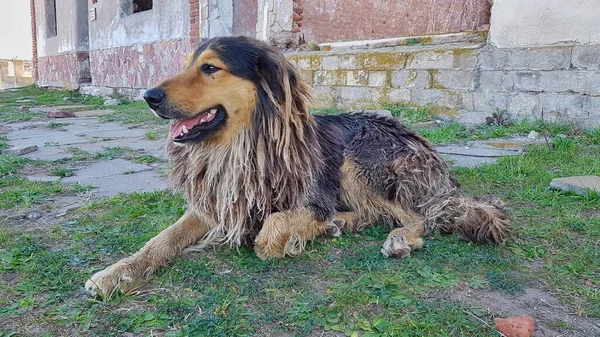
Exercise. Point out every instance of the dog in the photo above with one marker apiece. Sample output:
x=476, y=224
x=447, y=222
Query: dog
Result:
x=256, y=167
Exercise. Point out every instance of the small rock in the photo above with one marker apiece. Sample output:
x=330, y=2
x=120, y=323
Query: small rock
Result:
x=61, y=114
x=19, y=151
x=23, y=108
x=24, y=101
x=533, y=135
x=34, y=215
x=577, y=184
x=113, y=101
x=520, y=326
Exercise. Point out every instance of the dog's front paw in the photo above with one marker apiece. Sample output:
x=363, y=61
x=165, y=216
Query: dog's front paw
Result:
x=118, y=277
x=398, y=244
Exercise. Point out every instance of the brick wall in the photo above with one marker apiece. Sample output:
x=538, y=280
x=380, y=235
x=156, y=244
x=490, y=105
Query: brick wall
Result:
x=465, y=81
x=34, y=40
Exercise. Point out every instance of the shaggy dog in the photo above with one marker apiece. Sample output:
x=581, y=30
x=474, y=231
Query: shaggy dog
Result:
x=257, y=168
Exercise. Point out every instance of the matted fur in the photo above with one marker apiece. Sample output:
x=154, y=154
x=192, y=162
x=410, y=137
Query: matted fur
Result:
x=272, y=174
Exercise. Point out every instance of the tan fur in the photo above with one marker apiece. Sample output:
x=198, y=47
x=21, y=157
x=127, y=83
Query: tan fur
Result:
x=157, y=252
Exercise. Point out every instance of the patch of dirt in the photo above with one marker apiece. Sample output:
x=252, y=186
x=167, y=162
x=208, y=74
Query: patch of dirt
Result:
x=552, y=319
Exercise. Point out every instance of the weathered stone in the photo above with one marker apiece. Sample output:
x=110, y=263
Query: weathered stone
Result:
x=89, y=113
x=431, y=60
x=586, y=82
x=533, y=135
x=434, y=97
x=329, y=77
x=550, y=58
x=418, y=79
x=303, y=63
x=516, y=145
x=43, y=178
x=398, y=95
x=453, y=79
x=579, y=184
x=490, y=80
x=357, y=78
x=490, y=101
x=61, y=114
x=562, y=106
x=348, y=61
x=330, y=62
x=523, y=104
x=113, y=101
x=381, y=60
x=73, y=108
x=354, y=94
x=21, y=101
x=23, y=108
x=586, y=57
x=377, y=78
x=465, y=58
x=521, y=326
x=19, y=151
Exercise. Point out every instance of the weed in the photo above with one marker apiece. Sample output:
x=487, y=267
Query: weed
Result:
x=151, y=135
x=61, y=172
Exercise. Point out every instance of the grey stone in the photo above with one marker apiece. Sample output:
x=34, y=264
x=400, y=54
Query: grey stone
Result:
x=547, y=58
x=354, y=94
x=490, y=80
x=434, y=97
x=533, y=135
x=108, y=186
x=19, y=151
x=103, y=169
x=20, y=101
x=49, y=153
x=578, y=184
x=490, y=101
x=586, y=82
x=43, y=178
x=113, y=101
x=431, y=60
x=34, y=215
x=330, y=62
x=61, y=114
x=348, y=61
x=418, y=79
x=398, y=95
x=454, y=79
x=586, y=57
x=377, y=78
x=562, y=106
x=523, y=104
x=473, y=155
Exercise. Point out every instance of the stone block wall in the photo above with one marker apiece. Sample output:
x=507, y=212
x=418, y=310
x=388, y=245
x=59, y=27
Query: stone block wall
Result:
x=66, y=71
x=464, y=81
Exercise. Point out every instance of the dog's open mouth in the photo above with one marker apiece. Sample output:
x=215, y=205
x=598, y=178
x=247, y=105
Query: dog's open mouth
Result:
x=184, y=130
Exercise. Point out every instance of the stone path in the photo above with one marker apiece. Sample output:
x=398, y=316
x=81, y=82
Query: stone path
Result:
x=109, y=177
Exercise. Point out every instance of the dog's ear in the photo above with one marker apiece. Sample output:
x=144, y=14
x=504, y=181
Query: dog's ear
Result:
x=277, y=76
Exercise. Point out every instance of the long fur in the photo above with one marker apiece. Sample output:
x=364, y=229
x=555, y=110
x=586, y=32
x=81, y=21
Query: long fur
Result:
x=286, y=159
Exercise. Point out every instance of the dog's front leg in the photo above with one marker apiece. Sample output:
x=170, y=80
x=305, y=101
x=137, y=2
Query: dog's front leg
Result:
x=286, y=233
x=126, y=274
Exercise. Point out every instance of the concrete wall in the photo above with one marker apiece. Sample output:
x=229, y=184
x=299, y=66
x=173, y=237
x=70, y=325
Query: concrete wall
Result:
x=346, y=20
x=15, y=30
x=167, y=20
x=518, y=23
x=72, y=28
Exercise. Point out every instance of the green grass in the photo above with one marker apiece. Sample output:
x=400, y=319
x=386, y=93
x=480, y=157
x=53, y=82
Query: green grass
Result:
x=342, y=285
x=10, y=109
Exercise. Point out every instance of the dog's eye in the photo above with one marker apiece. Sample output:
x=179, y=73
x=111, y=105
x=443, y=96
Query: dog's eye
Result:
x=209, y=69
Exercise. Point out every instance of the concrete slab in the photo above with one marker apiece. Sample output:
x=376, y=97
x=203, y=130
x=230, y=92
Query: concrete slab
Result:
x=474, y=154
x=88, y=113
x=49, y=153
x=578, y=184
x=43, y=178
x=108, y=186
x=103, y=169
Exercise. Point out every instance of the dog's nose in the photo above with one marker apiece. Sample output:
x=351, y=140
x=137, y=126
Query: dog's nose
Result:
x=155, y=97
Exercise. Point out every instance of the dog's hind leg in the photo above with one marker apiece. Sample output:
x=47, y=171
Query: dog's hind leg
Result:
x=126, y=274
x=286, y=233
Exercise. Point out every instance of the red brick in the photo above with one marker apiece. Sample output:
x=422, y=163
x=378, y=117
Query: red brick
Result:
x=297, y=18
x=296, y=30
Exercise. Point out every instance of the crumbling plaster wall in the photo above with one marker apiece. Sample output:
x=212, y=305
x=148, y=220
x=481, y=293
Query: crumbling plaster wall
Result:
x=167, y=20
x=72, y=28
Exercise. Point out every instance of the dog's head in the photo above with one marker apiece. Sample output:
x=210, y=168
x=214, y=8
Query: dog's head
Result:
x=228, y=83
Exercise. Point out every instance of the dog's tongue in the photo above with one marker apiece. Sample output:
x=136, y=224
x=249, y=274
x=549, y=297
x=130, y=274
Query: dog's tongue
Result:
x=176, y=128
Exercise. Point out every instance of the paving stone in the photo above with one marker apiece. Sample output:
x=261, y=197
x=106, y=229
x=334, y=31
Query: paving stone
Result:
x=19, y=151
x=516, y=145
x=73, y=108
x=474, y=154
x=108, y=186
x=578, y=184
x=88, y=113
x=105, y=168
x=49, y=153
x=43, y=178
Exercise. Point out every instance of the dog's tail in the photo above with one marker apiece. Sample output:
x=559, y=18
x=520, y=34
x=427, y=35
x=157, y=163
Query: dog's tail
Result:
x=479, y=220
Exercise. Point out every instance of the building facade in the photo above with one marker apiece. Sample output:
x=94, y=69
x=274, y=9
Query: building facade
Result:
x=462, y=58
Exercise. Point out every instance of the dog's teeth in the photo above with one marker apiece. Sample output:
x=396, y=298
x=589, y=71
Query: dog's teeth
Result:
x=213, y=111
x=184, y=129
x=202, y=121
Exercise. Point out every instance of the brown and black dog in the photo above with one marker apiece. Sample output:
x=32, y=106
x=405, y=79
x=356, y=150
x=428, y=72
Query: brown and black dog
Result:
x=256, y=167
